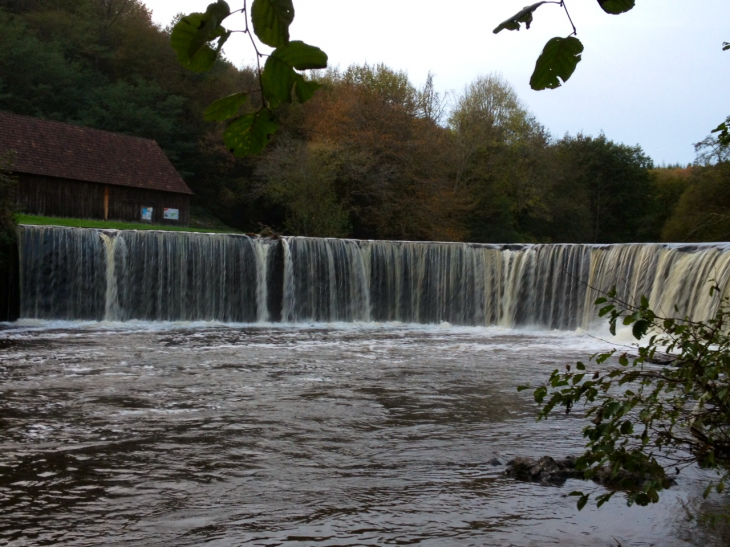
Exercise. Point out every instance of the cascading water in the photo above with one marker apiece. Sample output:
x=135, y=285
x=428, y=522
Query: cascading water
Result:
x=73, y=273
x=111, y=308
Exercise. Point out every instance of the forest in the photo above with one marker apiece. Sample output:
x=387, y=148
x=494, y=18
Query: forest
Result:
x=371, y=156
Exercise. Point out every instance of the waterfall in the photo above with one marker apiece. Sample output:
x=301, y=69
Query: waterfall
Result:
x=262, y=293
x=111, y=300
x=75, y=274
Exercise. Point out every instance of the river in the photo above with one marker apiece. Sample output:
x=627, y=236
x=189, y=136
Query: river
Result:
x=182, y=434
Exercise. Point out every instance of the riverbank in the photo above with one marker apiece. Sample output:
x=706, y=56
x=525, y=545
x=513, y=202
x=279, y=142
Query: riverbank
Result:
x=204, y=224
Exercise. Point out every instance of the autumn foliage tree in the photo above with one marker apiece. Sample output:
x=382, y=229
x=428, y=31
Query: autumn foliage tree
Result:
x=499, y=146
x=388, y=166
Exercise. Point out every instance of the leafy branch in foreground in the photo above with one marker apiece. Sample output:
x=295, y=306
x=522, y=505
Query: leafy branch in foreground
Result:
x=723, y=130
x=198, y=39
x=646, y=418
x=561, y=55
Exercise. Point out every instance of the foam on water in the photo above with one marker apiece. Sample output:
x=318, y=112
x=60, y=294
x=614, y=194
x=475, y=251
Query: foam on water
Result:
x=530, y=337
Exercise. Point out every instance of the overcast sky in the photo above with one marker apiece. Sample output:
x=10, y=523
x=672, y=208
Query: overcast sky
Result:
x=655, y=76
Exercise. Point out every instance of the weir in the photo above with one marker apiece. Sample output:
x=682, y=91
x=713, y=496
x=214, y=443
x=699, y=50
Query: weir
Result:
x=91, y=274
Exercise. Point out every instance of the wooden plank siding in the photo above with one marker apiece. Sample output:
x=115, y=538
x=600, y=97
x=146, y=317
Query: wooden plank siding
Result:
x=57, y=197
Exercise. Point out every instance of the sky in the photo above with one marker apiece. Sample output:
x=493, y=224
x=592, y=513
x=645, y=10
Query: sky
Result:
x=655, y=76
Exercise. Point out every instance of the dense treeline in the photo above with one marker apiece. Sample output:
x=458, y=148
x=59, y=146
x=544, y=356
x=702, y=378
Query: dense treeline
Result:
x=371, y=156
x=105, y=64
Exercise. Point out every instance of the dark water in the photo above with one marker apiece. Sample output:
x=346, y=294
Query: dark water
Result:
x=310, y=435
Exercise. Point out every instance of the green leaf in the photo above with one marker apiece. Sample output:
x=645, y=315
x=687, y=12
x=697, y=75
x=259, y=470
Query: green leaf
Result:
x=724, y=130
x=726, y=46
x=614, y=7
x=557, y=62
x=301, y=56
x=600, y=500
x=640, y=328
x=580, y=366
x=604, y=310
x=540, y=394
x=271, y=20
x=192, y=36
x=305, y=89
x=522, y=16
x=209, y=26
x=225, y=108
x=278, y=79
x=582, y=502
x=600, y=300
x=249, y=134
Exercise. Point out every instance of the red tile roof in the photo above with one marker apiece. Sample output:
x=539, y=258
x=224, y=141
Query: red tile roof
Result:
x=67, y=151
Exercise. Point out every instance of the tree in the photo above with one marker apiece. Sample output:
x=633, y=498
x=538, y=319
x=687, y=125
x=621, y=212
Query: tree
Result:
x=498, y=142
x=430, y=104
x=666, y=187
x=609, y=182
x=703, y=211
x=301, y=178
x=37, y=77
x=712, y=150
x=393, y=166
x=648, y=420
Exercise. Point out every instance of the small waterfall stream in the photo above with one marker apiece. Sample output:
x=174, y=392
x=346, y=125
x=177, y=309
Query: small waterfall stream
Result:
x=88, y=274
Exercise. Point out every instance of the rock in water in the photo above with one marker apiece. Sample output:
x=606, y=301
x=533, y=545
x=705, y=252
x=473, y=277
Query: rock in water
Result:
x=546, y=470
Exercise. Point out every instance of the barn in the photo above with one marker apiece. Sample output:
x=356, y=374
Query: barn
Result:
x=65, y=170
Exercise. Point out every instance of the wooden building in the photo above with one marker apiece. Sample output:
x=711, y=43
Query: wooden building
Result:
x=68, y=171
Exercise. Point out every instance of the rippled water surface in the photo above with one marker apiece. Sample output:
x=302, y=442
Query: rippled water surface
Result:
x=309, y=435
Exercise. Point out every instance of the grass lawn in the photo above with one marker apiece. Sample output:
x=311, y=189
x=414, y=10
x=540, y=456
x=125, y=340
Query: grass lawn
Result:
x=112, y=225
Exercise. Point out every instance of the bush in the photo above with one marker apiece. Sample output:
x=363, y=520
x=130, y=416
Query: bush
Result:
x=665, y=407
